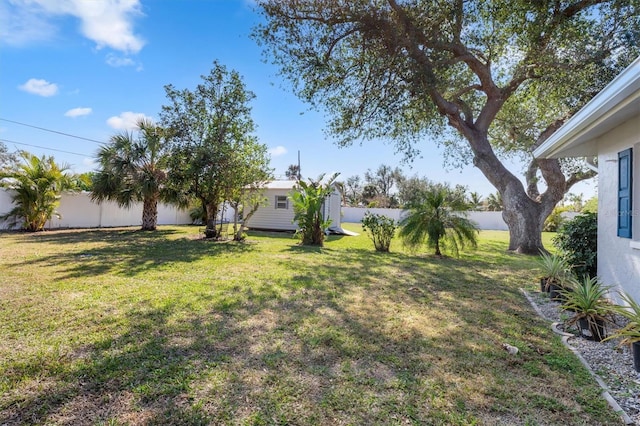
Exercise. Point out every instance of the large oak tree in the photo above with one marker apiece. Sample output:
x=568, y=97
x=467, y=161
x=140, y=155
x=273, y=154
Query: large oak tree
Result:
x=492, y=78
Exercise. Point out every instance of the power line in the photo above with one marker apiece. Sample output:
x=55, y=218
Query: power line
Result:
x=44, y=147
x=52, y=131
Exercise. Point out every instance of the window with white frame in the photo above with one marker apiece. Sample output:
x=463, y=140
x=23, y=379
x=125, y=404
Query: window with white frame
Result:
x=281, y=202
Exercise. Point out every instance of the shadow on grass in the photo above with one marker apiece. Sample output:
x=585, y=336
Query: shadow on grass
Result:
x=144, y=372
x=347, y=337
x=93, y=235
x=127, y=252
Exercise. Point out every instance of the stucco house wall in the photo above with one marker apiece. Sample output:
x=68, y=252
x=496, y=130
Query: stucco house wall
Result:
x=618, y=258
x=608, y=125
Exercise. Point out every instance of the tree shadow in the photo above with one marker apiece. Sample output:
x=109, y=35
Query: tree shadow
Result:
x=149, y=365
x=95, y=235
x=339, y=339
x=127, y=252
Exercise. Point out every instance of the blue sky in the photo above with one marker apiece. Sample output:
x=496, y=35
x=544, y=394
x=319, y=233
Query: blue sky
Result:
x=91, y=68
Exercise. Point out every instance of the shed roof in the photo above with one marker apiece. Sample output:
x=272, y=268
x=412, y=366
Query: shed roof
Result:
x=280, y=184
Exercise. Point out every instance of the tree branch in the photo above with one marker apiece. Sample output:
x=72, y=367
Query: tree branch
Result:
x=579, y=177
x=532, y=180
x=555, y=179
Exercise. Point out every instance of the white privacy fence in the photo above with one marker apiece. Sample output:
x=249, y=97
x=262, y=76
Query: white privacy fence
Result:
x=484, y=220
x=78, y=211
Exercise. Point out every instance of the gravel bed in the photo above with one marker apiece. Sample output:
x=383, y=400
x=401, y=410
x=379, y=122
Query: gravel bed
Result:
x=613, y=363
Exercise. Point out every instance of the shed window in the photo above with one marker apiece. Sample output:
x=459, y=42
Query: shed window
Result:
x=282, y=202
x=625, y=167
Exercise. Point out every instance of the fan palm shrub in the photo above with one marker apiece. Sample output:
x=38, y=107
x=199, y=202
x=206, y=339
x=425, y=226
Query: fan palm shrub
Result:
x=435, y=220
x=133, y=170
x=36, y=184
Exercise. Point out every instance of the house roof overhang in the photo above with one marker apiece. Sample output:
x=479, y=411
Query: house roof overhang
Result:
x=618, y=102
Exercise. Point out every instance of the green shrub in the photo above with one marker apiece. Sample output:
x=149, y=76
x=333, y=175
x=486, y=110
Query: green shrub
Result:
x=554, y=220
x=381, y=230
x=577, y=241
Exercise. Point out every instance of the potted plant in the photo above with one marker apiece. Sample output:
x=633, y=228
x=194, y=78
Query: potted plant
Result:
x=588, y=300
x=556, y=274
x=630, y=333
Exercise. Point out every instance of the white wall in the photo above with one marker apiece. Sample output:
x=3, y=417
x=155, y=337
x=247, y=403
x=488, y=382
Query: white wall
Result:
x=78, y=211
x=333, y=209
x=268, y=217
x=5, y=206
x=618, y=260
x=484, y=220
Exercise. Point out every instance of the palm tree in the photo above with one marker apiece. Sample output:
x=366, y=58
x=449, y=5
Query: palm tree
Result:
x=476, y=200
x=37, y=183
x=308, y=199
x=435, y=221
x=133, y=170
x=494, y=202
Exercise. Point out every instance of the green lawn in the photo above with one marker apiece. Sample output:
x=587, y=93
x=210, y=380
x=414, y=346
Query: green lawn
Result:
x=116, y=327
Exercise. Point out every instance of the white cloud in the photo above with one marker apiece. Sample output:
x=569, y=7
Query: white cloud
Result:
x=39, y=87
x=77, y=112
x=109, y=23
x=21, y=26
x=89, y=162
x=122, y=61
x=278, y=151
x=127, y=120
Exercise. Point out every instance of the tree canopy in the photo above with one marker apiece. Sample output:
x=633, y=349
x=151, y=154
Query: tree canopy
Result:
x=489, y=78
x=213, y=149
x=6, y=158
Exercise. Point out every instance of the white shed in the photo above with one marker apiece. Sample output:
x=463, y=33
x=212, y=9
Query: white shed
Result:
x=278, y=214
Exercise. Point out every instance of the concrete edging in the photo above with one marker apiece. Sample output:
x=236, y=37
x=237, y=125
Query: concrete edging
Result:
x=565, y=340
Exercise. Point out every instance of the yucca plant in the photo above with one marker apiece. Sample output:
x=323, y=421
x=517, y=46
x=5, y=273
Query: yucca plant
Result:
x=630, y=333
x=555, y=270
x=588, y=299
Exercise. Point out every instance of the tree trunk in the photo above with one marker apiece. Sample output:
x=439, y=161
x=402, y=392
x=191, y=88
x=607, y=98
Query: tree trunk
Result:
x=247, y=215
x=317, y=233
x=212, y=212
x=438, y=252
x=150, y=213
x=525, y=219
x=523, y=215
